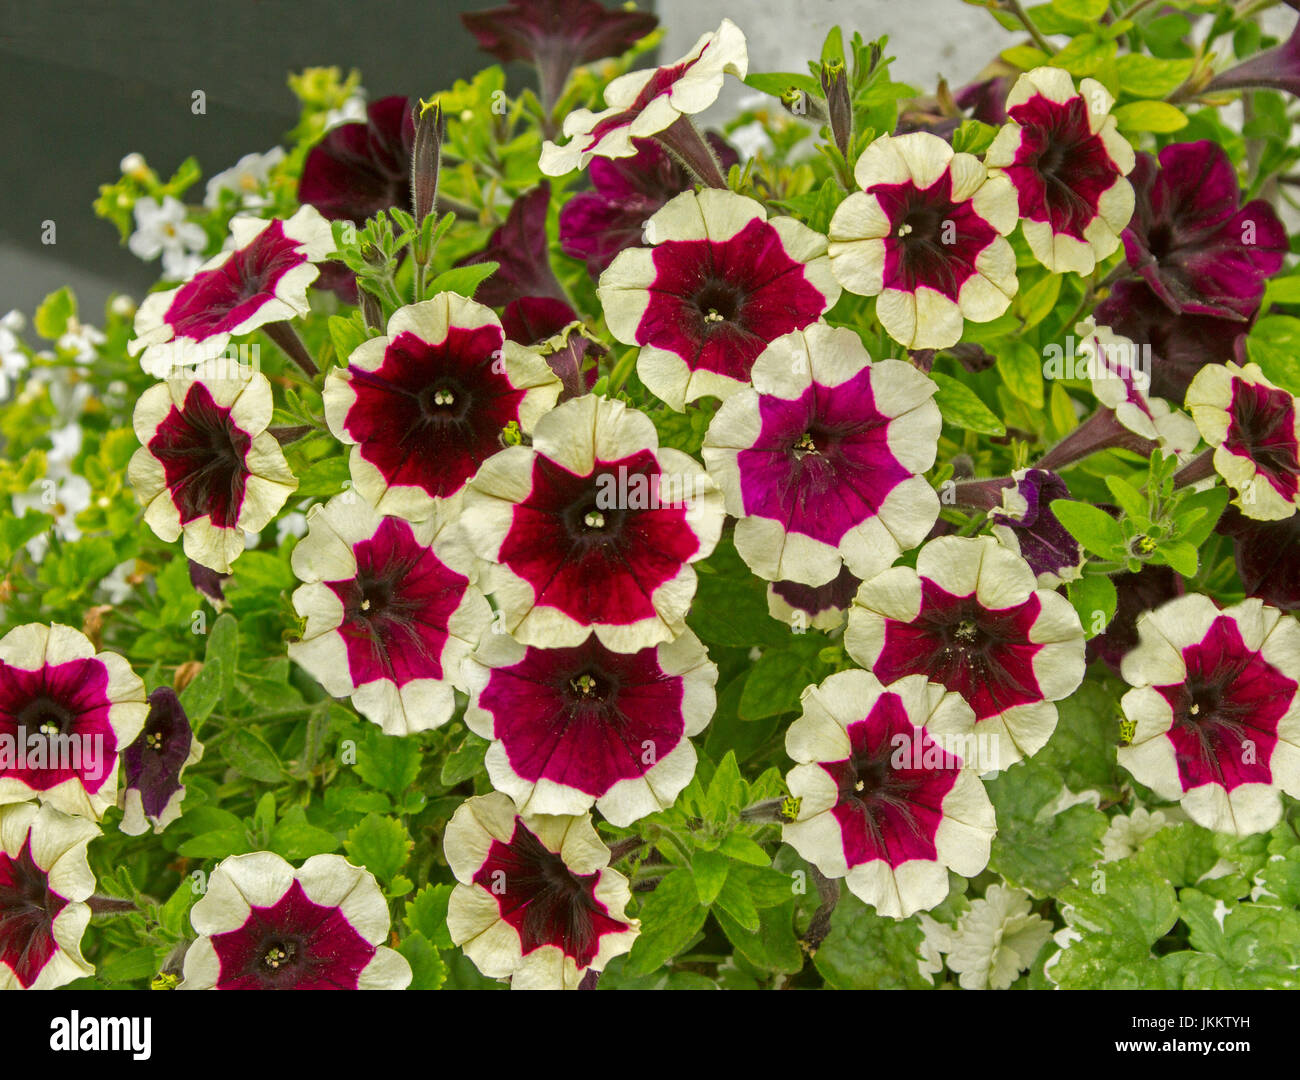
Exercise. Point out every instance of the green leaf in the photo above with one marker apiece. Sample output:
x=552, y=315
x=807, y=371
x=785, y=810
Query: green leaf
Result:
x=1095, y=529
x=1037, y=302
x=1021, y=369
x=323, y=478
x=223, y=645
x=387, y=762
x=202, y=692
x=465, y=761
x=775, y=681
x=428, y=971
x=726, y=793
x=346, y=333
x=462, y=279
x=1195, y=526
x=1082, y=748
x=740, y=847
x=777, y=83
x=1085, y=55
x=670, y=918
x=1155, y=116
x=961, y=407
x=249, y=755
x=710, y=870
x=296, y=839
x=216, y=844
x=138, y=963
x=774, y=947
x=426, y=912
x=738, y=904
x=380, y=844
x=51, y=318
x=1150, y=77
x=865, y=951
x=1180, y=555
x=1084, y=11
x=1131, y=501
x=1094, y=599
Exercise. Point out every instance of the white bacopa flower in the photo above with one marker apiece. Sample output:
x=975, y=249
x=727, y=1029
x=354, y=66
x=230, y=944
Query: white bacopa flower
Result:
x=996, y=939
x=247, y=177
x=13, y=361
x=165, y=229
x=80, y=339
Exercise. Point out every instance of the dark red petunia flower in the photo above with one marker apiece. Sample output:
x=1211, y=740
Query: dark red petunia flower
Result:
x=522, y=251
x=1268, y=557
x=357, y=169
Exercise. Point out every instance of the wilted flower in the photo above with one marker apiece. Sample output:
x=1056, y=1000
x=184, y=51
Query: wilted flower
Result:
x=537, y=900
x=44, y=883
x=1061, y=150
x=883, y=804
x=822, y=460
x=1215, y=709
x=263, y=279
x=819, y=606
x=66, y=712
x=153, y=764
x=926, y=235
x=581, y=726
x=720, y=283
x=207, y=467
x=426, y=405
x=592, y=529
x=551, y=328
x=390, y=611
x=1025, y=524
x=970, y=616
x=1255, y=430
x=649, y=102
x=263, y=925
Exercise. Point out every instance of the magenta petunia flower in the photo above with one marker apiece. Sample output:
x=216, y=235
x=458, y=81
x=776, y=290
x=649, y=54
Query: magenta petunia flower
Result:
x=261, y=280
x=556, y=35
x=883, y=802
x=596, y=225
x=520, y=247
x=1268, y=556
x=537, y=901
x=45, y=881
x=207, y=467
x=719, y=284
x=553, y=329
x=581, y=726
x=426, y=405
x=1061, y=150
x=592, y=529
x=66, y=712
x=822, y=607
x=391, y=612
x=1025, y=524
x=152, y=765
x=360, y=169
x=649, y=102
x=970, y=616
x=1215, y=705
x=1190, y=241
x=1254, y=427
x=926, y=235
x=263, y=925
x=822, y=460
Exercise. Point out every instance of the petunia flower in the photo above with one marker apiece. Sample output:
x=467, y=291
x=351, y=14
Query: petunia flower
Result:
x=1277, y=68
x=537, y=901
x=996, y=939
x=1267, y=555
x=1189, y=240
x=596, y=225
x=551, y=328
x=207, y=467
x=45, y=881
x=262, y=280
x=153, y=764
x=926, y=235
x=425, y=405
x=66, y=712
x=520, y=247
x=822, y=607
x=970, y=616
x=263, y=925
x=580, y=726
x=719, y=284
x=592, y=529
x=163, y=228
x=1255, y=430
x=1149, y=588
x=555, y=36
x=1215, y=708
x=657, y=101
x=882, y=802
x=391, y=612
x=1061, y=150
x=822, y=460
x=360, y=169
x=1025, y=524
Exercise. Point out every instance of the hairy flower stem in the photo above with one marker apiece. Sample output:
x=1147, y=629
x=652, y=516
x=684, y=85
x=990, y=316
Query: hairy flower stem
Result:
x=110, y=905
x=981, y=494
x=1101, y=431
x=684, y=141
x=287, y=340
x=828, y=889
x=1199, y=468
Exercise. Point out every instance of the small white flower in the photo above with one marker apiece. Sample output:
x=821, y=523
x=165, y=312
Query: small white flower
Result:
x=352, y=111
x=996, y=940
x=164, y=229
x=13, y=361
x=80, y=340
x=247, y=177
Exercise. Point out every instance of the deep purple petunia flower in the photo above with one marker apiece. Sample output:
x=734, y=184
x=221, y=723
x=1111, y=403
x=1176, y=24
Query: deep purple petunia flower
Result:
x=596, y=225
x=520, y=248
x=1138, y=593
x=556, y=35
x=819, y=606
x=1268, y=556
x=1199, y=250
x=152, y=766
x=1025, y=523
x=358, y=169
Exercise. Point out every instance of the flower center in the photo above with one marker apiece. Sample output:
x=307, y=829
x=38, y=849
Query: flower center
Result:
x=46, y=715
x=966, y=631
x=278, y=955
x=718, y=301
x=806, y=444
x=444, y=402
x=594, y=519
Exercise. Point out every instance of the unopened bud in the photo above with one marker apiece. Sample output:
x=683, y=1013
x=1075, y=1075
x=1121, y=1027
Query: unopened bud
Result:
x=426, y=154
x=839, y=106
x=371, y=310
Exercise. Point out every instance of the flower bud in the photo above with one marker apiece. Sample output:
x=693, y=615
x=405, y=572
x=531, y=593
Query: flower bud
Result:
x=425, y=156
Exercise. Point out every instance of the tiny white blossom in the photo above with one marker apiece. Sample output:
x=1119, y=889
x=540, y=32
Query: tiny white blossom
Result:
x=350, y=112
x=247, y=177
x=165, y=229
x=80, y=339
